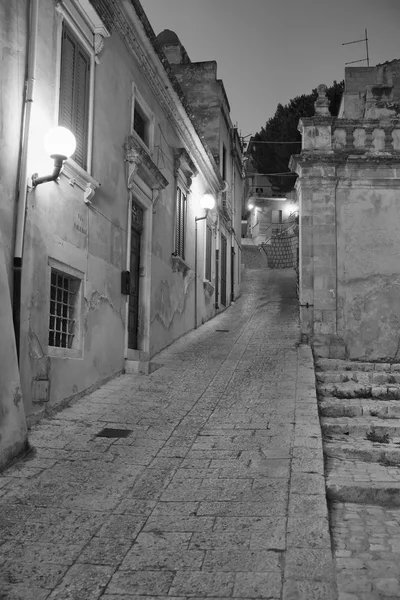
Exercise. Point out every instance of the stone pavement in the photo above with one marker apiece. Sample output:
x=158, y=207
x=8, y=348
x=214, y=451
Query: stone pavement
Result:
x=366, y=541
x=216, y=492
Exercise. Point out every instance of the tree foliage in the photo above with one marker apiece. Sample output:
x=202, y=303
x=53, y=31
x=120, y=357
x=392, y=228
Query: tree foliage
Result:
x=282, y=127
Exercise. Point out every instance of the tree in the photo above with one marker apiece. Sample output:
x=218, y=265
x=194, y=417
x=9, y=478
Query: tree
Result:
x=282, y=127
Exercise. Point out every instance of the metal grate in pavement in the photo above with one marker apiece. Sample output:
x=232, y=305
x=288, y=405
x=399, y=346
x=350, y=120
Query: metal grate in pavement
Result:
x=109, y=432
x=222, y=330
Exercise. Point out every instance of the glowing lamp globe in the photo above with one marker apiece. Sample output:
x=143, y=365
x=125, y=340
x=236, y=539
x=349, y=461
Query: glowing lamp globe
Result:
x=60, y=142
x=207, y=202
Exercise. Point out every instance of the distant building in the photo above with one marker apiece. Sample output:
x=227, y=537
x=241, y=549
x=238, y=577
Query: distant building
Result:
x=100, y=265
x=270, y=218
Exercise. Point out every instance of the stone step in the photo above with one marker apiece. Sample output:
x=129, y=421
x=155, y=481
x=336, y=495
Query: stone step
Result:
x=376, y=429
x=362, y=483
x=359, y=407
x=357, y=390
x=368, y=378
x=332, y=364
x=357, y=449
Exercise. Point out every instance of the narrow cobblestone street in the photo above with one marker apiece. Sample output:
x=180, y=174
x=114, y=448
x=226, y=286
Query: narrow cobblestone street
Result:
x=217, y=490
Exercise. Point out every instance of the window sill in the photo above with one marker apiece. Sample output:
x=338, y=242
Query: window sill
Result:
x=208, y=287
x=178, y=264
x=55, y=352
x=81, y=178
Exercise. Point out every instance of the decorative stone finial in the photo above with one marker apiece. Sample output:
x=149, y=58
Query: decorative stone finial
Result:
x=322, y=102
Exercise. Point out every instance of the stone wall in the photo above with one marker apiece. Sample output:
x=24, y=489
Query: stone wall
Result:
x=348, y=190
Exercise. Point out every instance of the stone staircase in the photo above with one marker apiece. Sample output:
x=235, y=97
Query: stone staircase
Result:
x=359, y=406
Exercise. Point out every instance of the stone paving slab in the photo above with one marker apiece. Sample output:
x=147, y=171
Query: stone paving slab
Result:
x=366, y=541
x=217, y=491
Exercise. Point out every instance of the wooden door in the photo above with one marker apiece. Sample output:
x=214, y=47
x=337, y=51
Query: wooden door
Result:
x=136, y=234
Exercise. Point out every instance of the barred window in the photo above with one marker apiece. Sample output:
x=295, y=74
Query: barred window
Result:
x=63, y=306
x=208, y=252
x=180, y=233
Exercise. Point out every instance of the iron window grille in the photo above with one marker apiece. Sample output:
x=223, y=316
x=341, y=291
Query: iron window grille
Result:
x=63, y=304
x=208, y=252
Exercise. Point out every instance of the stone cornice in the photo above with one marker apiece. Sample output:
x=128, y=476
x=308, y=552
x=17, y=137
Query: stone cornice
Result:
x=316, y=158
x=134, y=29
x=355, y=123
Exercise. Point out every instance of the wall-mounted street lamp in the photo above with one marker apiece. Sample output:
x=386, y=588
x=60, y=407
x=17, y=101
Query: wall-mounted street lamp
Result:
x=207, y=202
x=60, y=144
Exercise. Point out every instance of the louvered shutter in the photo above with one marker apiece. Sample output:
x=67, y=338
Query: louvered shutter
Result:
x=208, y=252
x=67, y=83
x=81, y=106
x=74, y=92
x=180, y=223
x=183, y=224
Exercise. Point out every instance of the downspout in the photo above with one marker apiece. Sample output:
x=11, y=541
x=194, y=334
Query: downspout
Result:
x=23, y=175
x=195, y=273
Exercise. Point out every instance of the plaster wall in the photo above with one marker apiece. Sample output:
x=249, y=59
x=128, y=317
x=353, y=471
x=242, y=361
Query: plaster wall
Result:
x=13, y=45
x=13, y=433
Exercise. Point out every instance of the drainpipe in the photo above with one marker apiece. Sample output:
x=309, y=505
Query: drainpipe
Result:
x=195, y=273
x=23, y=175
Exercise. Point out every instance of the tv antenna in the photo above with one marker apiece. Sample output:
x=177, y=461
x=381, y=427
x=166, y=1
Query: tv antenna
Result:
x=366, y=50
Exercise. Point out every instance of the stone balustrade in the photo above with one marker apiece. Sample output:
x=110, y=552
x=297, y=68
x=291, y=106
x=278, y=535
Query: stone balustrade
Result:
x=327, y=134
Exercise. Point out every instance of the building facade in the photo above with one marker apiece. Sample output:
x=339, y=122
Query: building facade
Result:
x=116, y=258
x=348, y=189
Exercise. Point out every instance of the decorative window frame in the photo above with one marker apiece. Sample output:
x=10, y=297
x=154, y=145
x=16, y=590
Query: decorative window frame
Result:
x=77, y=351
x=90, y=31
x=138, y=99
x=184, y=170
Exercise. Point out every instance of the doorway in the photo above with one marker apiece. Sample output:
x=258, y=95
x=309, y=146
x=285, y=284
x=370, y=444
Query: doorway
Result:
x=133, y=313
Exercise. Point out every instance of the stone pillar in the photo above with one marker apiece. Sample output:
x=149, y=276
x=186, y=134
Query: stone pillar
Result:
x=316, y=189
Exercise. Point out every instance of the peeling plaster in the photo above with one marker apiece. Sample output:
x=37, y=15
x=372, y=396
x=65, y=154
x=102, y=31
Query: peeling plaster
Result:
x=171, y=299
x=17, y=397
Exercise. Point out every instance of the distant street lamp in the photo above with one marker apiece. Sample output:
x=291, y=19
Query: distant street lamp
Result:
x=60, y=144
x=207, y=202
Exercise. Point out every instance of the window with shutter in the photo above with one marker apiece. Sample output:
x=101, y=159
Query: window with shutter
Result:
x=208, y=253
x=180, y=223
x=74, y=92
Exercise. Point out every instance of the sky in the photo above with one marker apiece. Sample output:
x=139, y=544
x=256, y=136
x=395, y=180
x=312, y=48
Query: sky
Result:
x=270, y=51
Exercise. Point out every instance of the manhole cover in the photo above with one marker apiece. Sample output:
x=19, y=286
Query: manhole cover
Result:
x=109, y=432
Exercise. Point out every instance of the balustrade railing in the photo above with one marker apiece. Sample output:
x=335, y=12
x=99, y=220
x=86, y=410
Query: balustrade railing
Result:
x=356, y=136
